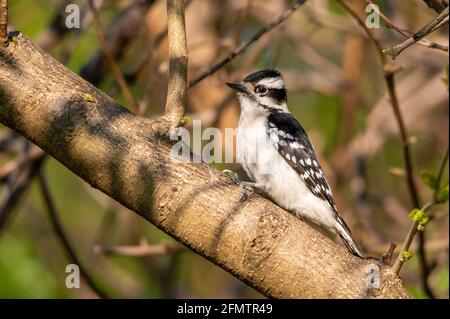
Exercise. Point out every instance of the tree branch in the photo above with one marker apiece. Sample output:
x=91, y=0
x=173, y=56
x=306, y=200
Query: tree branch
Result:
x=117, y=73
x=414, y=226
x=143, y=249
x=118, y=153
x=438, y=22
x=389, y=71
x=4, y=23
x=57, y=227
x=244, y=45
x=178, y=64
x=407, y=34
x=437, y=5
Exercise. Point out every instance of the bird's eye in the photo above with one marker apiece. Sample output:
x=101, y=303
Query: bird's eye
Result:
x=261, y=89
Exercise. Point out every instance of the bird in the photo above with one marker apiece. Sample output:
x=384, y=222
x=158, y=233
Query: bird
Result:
x=279, y=158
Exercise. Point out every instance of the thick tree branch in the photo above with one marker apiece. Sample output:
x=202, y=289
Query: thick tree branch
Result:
x=118, y=153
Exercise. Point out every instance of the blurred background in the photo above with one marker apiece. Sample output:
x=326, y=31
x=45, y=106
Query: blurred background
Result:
x=336, y=90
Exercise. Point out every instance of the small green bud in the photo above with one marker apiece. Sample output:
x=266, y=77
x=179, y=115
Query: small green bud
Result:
x=406, y=255
x=88, y=97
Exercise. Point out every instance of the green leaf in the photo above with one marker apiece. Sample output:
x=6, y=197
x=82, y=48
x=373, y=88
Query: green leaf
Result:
x=442, y=195
x=406, y=255
x=416, y=214
x=429, y=179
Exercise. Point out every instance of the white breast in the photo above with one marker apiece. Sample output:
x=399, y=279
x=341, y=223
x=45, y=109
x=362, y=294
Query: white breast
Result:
x=263, y=164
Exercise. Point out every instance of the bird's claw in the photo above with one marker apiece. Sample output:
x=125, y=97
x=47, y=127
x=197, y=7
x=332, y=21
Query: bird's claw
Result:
x=233, y=175
x=245, y=187
x=246, y=191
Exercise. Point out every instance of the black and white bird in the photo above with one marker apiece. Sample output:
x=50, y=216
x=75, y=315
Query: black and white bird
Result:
x=278, y=156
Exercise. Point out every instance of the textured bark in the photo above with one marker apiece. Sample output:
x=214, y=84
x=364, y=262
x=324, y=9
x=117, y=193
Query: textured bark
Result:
x=117, y=152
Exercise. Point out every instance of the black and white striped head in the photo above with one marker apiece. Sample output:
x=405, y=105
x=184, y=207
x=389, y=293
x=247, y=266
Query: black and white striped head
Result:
x=266, y=87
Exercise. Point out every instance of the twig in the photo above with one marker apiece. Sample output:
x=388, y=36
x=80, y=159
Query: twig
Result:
x=16, y=190
x=9, y=140
x=413, y=228
x=435, y=24
x=86, y=19
x=178, y=63
x=10, y=167
x=112, y=63
x=437, y=5
x=387, y=256
x=244, y=45
x=440, y=174
x=389, y=72
x=143, y=249
x=407, y=34
x=57, y=227
x=4, y=23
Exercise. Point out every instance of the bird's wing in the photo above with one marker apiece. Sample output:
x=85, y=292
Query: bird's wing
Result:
x=293, y=144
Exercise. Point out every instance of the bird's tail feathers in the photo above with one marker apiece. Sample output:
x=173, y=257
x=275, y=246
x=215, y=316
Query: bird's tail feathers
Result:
x=349, y=242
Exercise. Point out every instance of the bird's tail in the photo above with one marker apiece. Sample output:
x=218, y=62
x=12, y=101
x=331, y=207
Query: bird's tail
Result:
x=346, y=236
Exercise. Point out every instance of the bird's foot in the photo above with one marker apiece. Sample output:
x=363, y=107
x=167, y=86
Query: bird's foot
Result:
x=245, y=187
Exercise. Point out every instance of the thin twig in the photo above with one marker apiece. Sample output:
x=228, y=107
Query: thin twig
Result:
x=440, y=174
x=6, y=170
x=435, y=24
x=112, y=63
x=406, y=34
x=414, y=226
x=437, y=5
x=143, y=249
x=16, y=190
x=244, y=45
x=4, y=23
x=57, y=227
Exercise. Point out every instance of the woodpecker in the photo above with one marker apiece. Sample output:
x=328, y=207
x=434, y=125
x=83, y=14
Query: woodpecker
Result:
x=277, y=155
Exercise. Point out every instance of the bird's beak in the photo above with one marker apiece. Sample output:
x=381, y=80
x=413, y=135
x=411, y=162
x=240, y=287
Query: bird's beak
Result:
x=239, y=88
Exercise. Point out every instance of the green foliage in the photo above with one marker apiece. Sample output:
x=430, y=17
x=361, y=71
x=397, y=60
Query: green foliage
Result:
x=420, y=216
x=23, y=273
x=442, y=195
x=429, y=179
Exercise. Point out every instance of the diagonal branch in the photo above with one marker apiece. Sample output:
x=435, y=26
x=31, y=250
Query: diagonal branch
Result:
x=56, y=224
x=435, y=24
x=244, y=45
x=117, y=73
x=437, y=5
x=116, y=152
x=407, y=34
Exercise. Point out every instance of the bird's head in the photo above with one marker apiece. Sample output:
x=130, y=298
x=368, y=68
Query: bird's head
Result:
x=264, y=87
